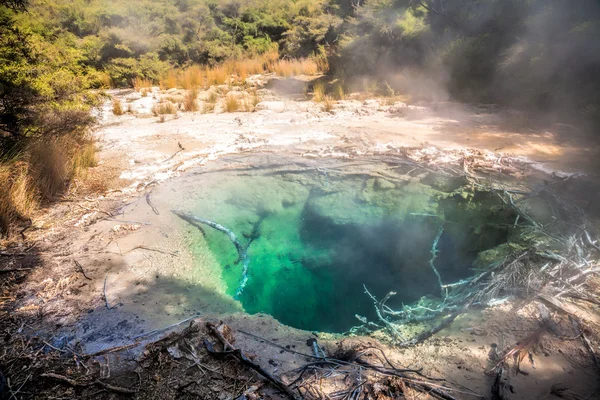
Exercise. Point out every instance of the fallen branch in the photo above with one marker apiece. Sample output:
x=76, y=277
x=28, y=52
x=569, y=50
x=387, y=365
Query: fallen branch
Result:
x=379, y=311
x=229, y=349
x=442, y=325
x=242, y=251
x=434, y=252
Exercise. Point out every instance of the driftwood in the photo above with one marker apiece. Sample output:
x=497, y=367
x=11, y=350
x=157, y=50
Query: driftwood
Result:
x=242, y=250
x=239, y=354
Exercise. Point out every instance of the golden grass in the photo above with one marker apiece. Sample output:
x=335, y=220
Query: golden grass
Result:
x=232, y=104
x=207, y=108
x=319, y=91
x=84, y=159
x=141, y=83
x=189, y=100
x=117, y=107
x=328, y=103
x=105, y=80
x=236, y=72
x=338, y=91
x=43, y=170
x=165, y=107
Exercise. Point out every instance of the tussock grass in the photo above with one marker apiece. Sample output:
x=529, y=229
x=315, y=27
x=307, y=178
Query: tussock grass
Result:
x=117, y=107
x=105, y=80
x=165, y=107
x=207, y=108
x=319, y=91
x=42, y=170
x=141, y=83
x=235, y=72
x=338, y=91
x=232, y=104
x=328, y=103
x=189, y=100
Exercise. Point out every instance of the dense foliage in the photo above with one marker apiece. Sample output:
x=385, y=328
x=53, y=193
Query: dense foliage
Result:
x=542, y=55
x=537, y=54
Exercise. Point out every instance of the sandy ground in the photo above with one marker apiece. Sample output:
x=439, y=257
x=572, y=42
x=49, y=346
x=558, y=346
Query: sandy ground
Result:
x=100, y=286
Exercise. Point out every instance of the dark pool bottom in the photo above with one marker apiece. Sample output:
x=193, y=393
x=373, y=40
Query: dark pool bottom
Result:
x=309, y=267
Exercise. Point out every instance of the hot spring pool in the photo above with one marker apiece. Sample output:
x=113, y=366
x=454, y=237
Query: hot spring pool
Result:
x=316, y=234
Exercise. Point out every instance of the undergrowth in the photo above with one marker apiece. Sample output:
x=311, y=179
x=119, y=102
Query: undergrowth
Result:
x=42, y=170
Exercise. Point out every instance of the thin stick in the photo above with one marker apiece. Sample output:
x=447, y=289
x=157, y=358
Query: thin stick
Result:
x=434, y=252
x=150, y=204
x=80, y=269
x=108, y=307
x=171, y=253
x=177, y=152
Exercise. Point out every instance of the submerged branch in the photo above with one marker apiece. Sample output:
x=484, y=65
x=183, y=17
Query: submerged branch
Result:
x=434, y=254
x=242, y=250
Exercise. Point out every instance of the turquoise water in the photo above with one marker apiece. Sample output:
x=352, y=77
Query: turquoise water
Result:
x=312, y=248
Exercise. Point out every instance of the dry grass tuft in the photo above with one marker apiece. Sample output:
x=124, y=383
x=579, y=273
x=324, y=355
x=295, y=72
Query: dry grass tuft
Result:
x=232, y=104
x=338, y=91
x=165, y=107
x=141, y=83
x=319, y=91
x=43, y=170
x=328, y=103
x=117, y=107
x=189, y=100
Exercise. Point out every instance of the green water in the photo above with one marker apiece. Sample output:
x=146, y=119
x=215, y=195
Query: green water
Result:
x=313, y=245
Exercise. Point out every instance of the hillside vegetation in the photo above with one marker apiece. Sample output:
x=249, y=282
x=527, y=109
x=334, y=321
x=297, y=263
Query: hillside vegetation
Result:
x=57, y=55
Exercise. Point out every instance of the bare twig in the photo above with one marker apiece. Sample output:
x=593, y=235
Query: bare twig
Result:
x=434, y=253
x=154, y=209
x=80, y=269
x=142, y=247
x=445, y=323
x=108, y=307
x=174, y=154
